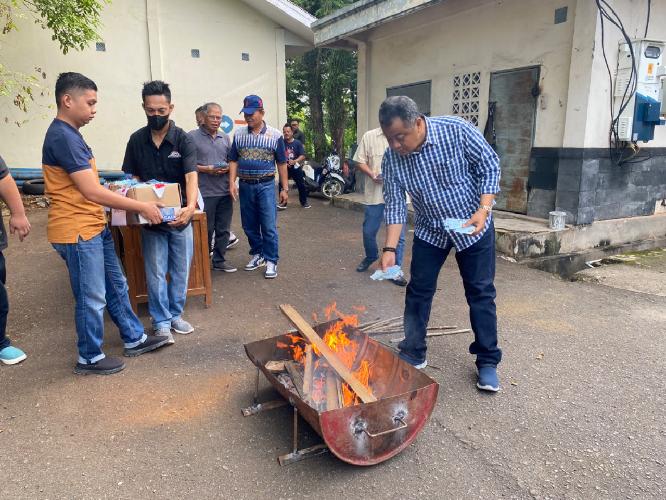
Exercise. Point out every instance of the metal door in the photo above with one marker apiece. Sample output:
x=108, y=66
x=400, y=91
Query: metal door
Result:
x=515, y=94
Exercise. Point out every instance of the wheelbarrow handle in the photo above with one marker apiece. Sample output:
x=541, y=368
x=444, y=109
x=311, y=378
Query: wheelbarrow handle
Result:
x=362, y=427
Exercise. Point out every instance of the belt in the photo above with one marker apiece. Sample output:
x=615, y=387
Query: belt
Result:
x=257, y=180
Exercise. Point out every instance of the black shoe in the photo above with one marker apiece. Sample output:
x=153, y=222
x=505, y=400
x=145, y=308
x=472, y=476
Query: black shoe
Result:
x=225, y=267
x=151, y=343
x=105, y=366
x=400, y=281
x=364, y=265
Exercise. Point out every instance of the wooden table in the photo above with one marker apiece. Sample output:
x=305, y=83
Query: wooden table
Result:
x=128, y=247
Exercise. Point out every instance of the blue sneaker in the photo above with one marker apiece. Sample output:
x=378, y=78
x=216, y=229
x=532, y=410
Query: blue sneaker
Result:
x=488, y=380
x=11, y=355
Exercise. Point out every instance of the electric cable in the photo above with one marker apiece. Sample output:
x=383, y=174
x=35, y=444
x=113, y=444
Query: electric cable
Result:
x=615, y=146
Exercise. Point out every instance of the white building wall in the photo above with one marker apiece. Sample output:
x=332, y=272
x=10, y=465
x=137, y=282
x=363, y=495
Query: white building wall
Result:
x=220, y=29
x=117, y=72
x=461, y=36
x=633, y=14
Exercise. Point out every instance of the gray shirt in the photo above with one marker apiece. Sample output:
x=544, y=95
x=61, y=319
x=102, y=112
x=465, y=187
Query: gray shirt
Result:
x=211, y=151
x=4, y=172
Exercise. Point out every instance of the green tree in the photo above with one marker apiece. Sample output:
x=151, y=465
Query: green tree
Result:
x=321, y=87
x=74, y=24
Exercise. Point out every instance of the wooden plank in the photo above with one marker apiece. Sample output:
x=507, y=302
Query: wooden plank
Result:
x=338, y=388
x=332, y=395
x=308, y=373
x=275, y=366
x=364, y=393
x=295, y=373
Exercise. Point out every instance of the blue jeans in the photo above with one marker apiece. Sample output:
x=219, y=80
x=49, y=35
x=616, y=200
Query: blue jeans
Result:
x=167, y=250
x=258, y=216
x=477, y=269
x=98, y=281
x=374, y=216
x=4, y=304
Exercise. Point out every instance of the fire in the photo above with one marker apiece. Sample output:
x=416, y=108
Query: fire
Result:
x=344, y=347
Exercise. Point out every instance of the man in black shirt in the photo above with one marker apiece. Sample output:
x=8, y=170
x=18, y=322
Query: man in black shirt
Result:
x=295, y=158
x=298, y=133
x=164, y=152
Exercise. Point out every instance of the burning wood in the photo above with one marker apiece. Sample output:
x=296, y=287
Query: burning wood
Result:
x=333, y=350
x=308, y=374
x=275, y=366
x=294, y=371
x=334, y=397
x=326, y=372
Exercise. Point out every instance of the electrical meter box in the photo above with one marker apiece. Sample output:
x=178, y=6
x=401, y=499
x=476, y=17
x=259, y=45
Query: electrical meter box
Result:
x=644, y=109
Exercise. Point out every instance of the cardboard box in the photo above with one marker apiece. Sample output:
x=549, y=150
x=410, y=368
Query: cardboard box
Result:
x=165, y=193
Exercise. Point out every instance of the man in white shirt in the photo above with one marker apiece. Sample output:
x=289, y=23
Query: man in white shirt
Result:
x=369, y=157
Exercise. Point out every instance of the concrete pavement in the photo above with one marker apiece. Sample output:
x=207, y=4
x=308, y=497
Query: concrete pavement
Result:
x=580, y=415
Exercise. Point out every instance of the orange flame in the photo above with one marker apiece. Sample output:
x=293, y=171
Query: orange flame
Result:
x=344, y=347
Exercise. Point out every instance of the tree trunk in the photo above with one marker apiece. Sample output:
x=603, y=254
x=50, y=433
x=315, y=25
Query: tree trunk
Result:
x=313, y=64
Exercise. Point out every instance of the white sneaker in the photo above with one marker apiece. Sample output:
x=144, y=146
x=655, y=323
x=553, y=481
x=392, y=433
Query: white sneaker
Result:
x=256, y=262
x=271, y=271
x=421, y=366
x=232, y=242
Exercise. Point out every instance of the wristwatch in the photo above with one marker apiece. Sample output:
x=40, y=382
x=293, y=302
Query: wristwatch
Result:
x=388, y=249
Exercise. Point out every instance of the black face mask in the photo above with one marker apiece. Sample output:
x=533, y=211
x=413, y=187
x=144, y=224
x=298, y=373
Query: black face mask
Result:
x=157, y=122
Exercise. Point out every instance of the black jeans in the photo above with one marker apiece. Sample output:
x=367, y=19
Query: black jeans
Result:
x=4, y=304
x=298, y=176
x=219, y=210
x=477, y=269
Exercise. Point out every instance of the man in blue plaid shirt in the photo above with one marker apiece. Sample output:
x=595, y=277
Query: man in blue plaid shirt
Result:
x=451, y=173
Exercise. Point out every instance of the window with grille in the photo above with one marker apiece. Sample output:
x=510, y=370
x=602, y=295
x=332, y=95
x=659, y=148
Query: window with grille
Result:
x=420, y=92
x=465, y=102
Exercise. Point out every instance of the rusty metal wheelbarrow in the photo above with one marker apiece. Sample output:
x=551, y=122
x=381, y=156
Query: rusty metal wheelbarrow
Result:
x=362, y=434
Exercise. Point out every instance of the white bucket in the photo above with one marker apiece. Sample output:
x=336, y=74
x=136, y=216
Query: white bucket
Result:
x=557, y=220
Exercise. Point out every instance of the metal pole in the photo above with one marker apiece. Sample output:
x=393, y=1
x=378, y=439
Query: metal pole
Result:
x=295, y=430
x=256, y=389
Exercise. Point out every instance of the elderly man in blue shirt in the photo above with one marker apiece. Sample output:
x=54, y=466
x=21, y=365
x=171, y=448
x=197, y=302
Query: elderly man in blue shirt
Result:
x=452, y=175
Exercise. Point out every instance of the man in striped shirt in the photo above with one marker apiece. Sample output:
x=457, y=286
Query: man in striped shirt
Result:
x=252, y=158
x=452, y=175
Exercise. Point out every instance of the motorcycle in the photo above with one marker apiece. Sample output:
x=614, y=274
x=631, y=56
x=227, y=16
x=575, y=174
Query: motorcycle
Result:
x=330, y=178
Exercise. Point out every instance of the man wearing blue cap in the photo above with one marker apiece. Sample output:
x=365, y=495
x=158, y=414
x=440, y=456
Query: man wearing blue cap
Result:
x=252, y=158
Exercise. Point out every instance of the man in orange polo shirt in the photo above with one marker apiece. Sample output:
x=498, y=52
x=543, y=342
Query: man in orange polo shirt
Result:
x=77, y=230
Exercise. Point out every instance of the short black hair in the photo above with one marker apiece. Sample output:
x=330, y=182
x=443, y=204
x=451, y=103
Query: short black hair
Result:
x=156, y=87
x=398, y=106
x=286, y=125
x=200, y=109
x=294, y=120
x=69, y=81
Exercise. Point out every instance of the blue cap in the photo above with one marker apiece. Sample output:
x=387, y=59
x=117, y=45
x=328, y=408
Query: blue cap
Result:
x=251, y=104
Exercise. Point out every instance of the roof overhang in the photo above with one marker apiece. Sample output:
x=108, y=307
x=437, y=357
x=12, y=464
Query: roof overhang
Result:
x=351, y=21
x=288, y=15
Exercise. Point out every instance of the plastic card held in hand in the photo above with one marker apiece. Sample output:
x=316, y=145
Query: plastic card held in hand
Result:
x=457, y=226
x=168, y=214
